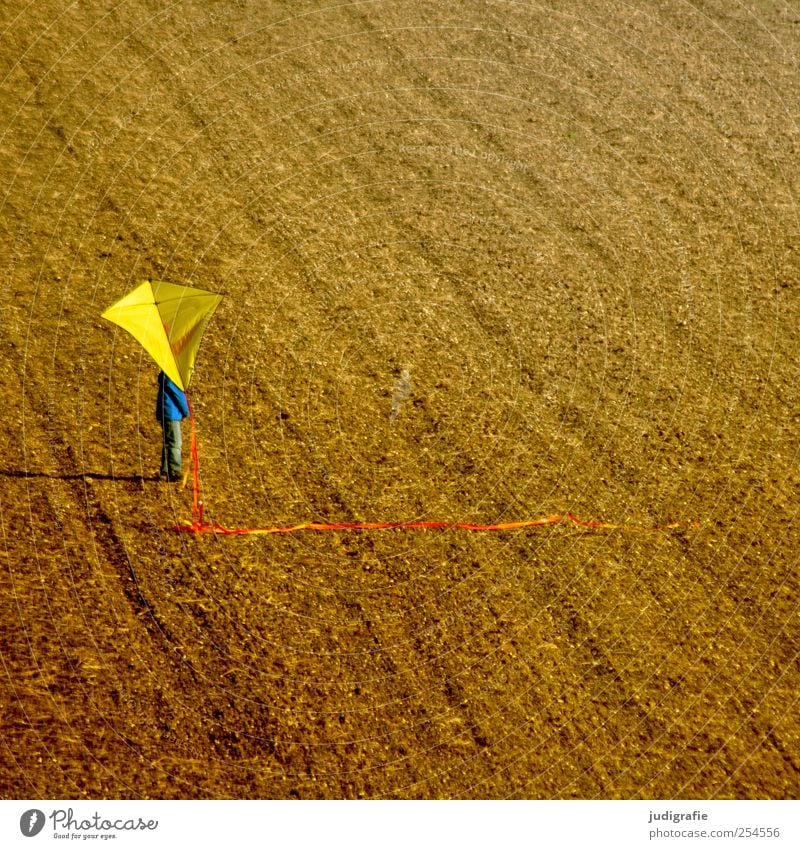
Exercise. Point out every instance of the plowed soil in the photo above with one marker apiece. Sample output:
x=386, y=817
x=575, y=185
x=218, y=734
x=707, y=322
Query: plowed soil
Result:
x=482, y=262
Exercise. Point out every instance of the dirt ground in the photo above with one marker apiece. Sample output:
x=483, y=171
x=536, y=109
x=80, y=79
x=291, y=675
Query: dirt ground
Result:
x=574, y=226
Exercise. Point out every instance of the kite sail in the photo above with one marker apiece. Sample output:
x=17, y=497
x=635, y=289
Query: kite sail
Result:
x=169, y=321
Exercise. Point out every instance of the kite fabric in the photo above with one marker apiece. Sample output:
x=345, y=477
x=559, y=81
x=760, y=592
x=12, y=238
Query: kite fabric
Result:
x=169, y=321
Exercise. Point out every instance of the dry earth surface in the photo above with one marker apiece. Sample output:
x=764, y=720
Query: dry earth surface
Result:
x=574, y=226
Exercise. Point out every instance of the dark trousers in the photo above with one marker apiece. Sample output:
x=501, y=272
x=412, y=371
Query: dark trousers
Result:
x=171, y=460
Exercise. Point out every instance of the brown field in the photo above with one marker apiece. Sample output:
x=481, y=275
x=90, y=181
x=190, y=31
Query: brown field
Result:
x=575, y=225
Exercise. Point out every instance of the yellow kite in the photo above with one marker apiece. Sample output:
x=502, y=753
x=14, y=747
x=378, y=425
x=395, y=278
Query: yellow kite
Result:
x=169, y=321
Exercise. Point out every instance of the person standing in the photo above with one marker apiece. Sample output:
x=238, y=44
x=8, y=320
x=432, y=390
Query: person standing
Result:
x=171, y=408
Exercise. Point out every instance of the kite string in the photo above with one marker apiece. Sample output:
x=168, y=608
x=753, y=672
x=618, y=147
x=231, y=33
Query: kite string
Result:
x=198, y=526
x=197, y=502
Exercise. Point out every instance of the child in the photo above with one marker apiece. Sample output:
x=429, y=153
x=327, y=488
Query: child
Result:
x=171, y=408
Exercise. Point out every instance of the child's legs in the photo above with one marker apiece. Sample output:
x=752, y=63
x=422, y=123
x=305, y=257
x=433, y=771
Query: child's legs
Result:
x=171, y=459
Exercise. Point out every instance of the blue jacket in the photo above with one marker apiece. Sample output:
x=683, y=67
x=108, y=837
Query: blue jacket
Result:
x=171, y=403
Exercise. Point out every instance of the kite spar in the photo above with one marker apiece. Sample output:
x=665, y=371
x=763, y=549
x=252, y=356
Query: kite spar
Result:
x=169, y=321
